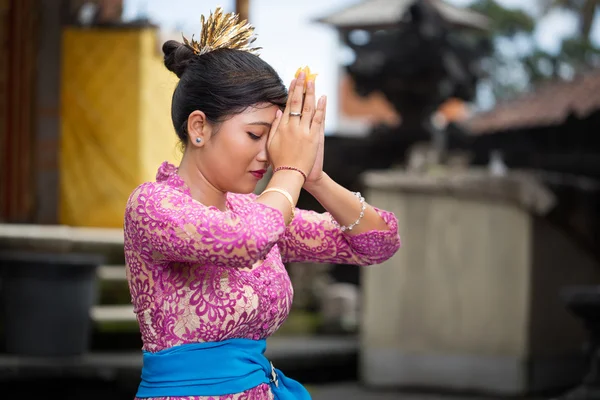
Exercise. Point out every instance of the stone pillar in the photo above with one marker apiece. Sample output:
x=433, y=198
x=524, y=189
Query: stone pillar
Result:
x=472, y=300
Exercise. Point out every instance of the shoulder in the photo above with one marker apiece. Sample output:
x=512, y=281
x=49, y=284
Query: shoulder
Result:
x=155, y=195
x=148, y=189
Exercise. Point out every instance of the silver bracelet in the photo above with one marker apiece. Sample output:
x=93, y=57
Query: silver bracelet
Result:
x=363, y=207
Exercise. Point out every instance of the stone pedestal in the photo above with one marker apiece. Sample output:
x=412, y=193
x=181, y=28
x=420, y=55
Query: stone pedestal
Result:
x=472, y=300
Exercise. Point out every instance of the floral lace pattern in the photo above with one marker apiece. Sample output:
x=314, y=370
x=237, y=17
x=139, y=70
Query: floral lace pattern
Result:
x=198, y=274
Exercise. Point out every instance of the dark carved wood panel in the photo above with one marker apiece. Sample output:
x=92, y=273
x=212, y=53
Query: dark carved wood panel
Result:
x=17, y=63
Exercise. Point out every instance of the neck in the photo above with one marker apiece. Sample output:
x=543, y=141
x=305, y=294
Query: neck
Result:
x=201, y=189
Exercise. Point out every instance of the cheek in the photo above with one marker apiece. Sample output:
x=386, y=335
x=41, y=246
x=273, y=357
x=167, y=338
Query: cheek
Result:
x=242, y=151
x=232, y=158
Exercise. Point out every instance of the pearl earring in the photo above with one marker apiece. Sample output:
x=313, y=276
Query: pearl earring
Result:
x=198, y=140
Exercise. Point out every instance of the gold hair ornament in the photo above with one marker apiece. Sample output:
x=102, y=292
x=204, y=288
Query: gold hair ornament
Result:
x=223, y=31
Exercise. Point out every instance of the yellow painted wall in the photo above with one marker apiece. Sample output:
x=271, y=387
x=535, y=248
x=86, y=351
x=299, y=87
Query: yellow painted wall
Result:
x=116, y=126
x=158, y=138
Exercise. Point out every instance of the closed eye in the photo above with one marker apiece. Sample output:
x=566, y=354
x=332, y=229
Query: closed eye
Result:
x=253, y=136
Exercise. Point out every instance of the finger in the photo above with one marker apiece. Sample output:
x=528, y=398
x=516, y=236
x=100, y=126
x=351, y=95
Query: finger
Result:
x=273, y=132
x=324, y=119
x=308, y=109
x=318, y=119
x=285, y=116
x=296, y=100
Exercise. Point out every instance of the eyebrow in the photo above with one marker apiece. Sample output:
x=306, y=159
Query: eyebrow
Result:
x=262, y=123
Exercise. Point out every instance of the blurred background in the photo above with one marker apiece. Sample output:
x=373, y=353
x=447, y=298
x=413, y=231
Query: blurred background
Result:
x=472, y=120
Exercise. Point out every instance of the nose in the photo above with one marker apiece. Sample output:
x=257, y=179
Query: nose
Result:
x=263, y=156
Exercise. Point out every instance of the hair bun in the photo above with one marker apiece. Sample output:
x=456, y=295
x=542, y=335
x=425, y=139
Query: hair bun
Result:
x=177, y=56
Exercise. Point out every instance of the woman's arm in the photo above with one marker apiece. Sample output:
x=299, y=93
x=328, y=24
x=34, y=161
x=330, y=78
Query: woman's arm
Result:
x=314, y=237
x=344, y=206
x=172, y=227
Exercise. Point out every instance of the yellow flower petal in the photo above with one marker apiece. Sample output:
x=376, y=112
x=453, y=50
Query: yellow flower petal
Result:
x=309, y=76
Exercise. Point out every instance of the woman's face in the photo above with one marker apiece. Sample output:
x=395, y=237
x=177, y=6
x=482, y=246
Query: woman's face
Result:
x=233, y=157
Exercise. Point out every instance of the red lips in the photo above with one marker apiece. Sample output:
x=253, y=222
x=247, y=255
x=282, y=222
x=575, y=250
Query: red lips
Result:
x=259, y=173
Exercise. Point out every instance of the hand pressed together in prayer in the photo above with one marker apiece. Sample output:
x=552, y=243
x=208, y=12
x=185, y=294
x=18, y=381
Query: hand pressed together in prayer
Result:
x=316, y=172
x=297, y=135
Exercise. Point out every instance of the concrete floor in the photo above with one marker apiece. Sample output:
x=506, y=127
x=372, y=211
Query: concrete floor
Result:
x=354, y=391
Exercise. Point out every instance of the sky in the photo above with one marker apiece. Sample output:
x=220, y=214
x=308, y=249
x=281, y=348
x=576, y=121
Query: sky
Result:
x=290, y=39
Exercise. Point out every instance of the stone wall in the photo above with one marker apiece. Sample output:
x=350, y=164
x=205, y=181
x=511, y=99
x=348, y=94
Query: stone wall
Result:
x=471, y=301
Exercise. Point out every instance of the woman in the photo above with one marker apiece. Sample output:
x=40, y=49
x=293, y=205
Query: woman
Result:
x=204, y=255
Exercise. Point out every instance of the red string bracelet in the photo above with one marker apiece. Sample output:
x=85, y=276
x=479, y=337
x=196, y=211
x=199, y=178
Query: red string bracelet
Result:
x=290, y=169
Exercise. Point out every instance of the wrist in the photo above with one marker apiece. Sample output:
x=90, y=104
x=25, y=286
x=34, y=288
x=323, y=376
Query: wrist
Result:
x=313, y=187
x=290, y=168
x=289, y=176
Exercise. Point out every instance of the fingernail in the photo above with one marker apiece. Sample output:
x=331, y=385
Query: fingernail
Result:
x=302, y=75
x=278, y=113
x=310, y=84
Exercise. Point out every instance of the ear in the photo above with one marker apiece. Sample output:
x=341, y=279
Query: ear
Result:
x=198, y=128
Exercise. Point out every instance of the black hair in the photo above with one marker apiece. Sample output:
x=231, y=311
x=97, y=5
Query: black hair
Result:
x=220, y=83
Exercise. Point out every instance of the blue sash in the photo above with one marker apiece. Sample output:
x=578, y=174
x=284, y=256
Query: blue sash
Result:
x=214, y=369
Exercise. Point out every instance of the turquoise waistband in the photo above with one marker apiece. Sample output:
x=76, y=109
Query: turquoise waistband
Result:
x=214, y=369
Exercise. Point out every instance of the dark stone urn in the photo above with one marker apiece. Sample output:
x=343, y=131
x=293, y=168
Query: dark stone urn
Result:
x=584, y=303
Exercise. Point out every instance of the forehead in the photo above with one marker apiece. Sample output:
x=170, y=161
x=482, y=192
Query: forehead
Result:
x=257, y=113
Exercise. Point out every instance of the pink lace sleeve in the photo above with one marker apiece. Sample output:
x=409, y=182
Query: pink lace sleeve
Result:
x=312, y=237
x=172, y=226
